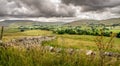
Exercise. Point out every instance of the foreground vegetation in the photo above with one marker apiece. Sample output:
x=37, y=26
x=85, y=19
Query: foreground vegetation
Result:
x=19, y=56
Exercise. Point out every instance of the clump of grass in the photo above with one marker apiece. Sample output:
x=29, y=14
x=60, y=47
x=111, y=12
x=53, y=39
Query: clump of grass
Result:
x=103, y=46
x=35, y=57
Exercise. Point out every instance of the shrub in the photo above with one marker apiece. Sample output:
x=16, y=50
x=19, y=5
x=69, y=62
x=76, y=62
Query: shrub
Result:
x=70, y=31
x=60, y=31
x=118, y=35
x=107, y=34
x=22, y=30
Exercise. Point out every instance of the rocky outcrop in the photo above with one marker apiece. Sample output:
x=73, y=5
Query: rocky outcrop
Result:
x=29, y=41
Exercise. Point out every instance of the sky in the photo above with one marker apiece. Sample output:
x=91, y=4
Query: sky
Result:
x=58, y=9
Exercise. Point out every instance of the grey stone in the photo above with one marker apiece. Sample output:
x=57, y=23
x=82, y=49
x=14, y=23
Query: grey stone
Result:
x=90, y=52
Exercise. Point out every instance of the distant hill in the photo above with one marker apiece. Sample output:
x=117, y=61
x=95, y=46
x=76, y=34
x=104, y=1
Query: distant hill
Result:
x=74, y=23
x=27, y=22
x=111, y=21
x=81, y=22
x=87, y=22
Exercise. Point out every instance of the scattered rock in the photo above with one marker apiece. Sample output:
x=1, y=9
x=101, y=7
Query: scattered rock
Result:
x=108, y=53
x=70, y=51
x=27, y=41
x=49, y=48
x=90, y=52
x=111, y=54
x=58, y=50
x=1, y=41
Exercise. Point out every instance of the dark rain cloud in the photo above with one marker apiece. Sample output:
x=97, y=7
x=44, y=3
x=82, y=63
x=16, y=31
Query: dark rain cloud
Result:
x=47, y=8
x=93, y=5
x=42, y=8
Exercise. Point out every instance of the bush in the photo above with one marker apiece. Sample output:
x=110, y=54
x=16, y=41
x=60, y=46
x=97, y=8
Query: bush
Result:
x=107, y=34
x=22, y=30
x=118, y=35
x=70, y=31
x=60, y=31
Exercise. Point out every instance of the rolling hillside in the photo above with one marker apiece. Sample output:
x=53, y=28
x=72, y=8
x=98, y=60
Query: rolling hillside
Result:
x=27, y=22
x=81, y=22
x=75, y=23
x=87, y=22
x=111, y=21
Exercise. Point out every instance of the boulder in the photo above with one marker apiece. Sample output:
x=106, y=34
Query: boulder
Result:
x=1, y=41
x=90, y=52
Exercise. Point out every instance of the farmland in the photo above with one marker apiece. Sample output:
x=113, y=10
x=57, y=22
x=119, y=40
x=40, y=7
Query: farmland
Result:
x=62, y=40
x=73, y=42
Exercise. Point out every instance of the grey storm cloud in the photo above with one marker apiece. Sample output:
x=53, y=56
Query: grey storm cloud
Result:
x=44, y=8
x=66, y=8
x=93, y=5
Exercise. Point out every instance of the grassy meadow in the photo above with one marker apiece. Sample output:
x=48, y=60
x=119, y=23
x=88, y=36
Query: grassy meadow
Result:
x=67, y=41
x=38, y=56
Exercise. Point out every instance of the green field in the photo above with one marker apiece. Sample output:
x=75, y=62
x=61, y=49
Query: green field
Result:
x=68, y=41
x=37, y=56
x=116, y=31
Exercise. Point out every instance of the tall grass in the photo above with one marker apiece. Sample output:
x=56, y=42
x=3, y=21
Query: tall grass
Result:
x=103, y=46
x=37, y=56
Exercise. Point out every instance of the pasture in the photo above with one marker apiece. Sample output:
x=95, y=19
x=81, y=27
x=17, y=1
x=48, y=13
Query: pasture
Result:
x=36, y=56
x=67, y=41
